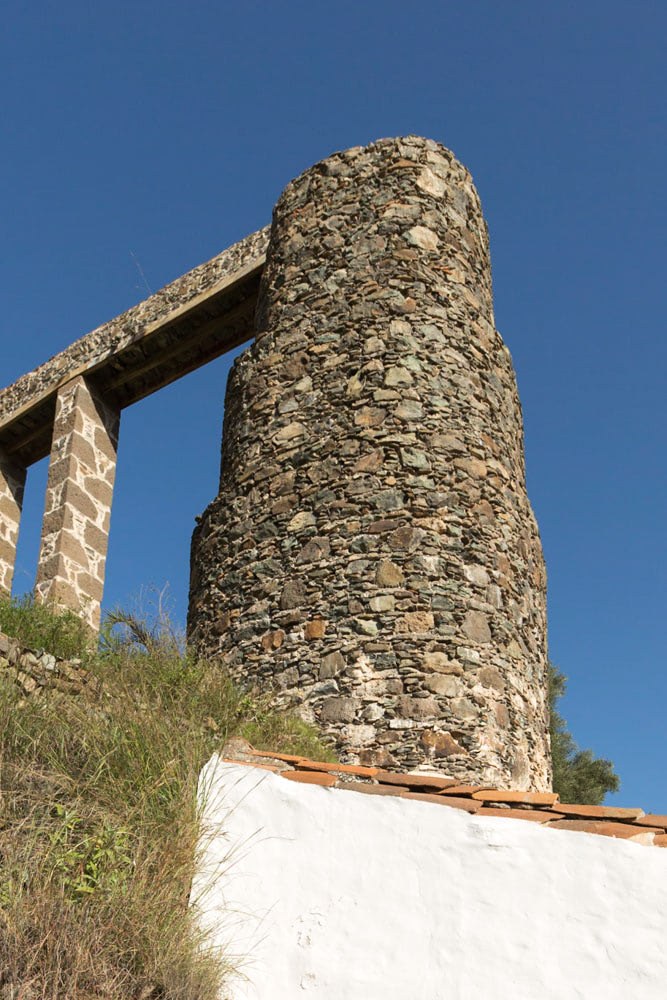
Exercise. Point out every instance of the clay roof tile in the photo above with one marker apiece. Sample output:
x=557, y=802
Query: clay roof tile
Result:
x=466, y=804
x=535, y=815
x=289, y=758
x=627, y=831
x=416, y=781
x=458, y=789
x=600, y=812
x=358, y=771
x=360, y=786
x=527, y=798
x=651, y=819
x=310, y=777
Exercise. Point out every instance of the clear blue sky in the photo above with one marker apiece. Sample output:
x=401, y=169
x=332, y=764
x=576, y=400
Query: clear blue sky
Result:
x=141, y=139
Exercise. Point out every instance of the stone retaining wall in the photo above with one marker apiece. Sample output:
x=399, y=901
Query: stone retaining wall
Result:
x=35, y=670
x=372, y=553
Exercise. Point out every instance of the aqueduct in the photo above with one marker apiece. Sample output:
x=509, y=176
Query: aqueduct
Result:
x=69, y=408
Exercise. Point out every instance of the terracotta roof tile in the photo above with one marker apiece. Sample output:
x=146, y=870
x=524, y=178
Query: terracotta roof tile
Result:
x=289, y=758
x=535, y=815
x=651, y=819
x=466, y=804
x=628, y=831
x=537, y=807
x=528, y=798
x=414, y=780
x=311, y=777
x=600, y=812
x=251, y=763
x=457, y=789
x=359, y=786
x=359, y=771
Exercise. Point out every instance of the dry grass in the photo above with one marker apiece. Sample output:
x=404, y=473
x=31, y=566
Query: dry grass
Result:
x=99, y=820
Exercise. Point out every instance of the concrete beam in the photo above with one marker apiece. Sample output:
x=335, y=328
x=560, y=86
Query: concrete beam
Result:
x=196, y=318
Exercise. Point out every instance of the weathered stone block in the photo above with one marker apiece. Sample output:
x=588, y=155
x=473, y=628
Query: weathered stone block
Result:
x=315, y=629
x=331, y=665
x=441, y=663
x=417, y=708
x=415, y=621
x=444, y=684
x=293, y=595
x=476, y=627
x=383, y=603
x=339, y=709
x=440, y=744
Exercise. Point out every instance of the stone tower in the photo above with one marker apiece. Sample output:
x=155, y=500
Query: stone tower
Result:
x=371, y=554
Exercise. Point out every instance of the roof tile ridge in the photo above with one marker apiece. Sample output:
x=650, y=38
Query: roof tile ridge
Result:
x=545, y=808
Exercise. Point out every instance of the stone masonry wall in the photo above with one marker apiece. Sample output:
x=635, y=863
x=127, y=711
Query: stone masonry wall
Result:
x=12, y=485
x=372, y=554
x=77, y=510
x=36, y=670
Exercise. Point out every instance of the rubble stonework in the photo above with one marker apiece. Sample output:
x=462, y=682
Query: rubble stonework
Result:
x=372, y=553
x=77, y=511
x=35, y=671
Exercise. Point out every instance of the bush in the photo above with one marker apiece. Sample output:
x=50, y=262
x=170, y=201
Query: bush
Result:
x=100, y=822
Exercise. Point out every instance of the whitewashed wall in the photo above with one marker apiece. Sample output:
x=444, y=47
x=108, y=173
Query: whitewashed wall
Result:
x=343, y=896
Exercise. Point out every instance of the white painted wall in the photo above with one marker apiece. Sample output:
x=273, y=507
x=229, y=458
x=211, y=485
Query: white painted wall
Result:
x=343, y=896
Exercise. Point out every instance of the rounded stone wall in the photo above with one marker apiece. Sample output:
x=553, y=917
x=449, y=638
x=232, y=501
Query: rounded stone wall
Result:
x=372, y=555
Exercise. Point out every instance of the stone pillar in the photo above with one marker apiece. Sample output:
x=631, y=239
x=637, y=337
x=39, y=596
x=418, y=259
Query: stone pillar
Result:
x=77, y=511
x=372, y=555
x=12, y=484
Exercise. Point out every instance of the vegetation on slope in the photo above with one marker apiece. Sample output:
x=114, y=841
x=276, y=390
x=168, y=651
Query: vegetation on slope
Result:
x=98, y=816
x=578, y=776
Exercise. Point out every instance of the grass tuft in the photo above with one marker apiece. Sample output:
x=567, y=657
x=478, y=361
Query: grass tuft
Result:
x=98, y=818
x=38, y=626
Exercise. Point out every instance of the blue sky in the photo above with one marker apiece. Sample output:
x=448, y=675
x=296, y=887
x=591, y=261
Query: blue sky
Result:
x=141, y=139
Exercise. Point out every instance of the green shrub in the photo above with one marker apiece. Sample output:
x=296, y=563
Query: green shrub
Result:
x=40, y=626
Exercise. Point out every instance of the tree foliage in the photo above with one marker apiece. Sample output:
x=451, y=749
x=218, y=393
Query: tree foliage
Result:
x=578, y=776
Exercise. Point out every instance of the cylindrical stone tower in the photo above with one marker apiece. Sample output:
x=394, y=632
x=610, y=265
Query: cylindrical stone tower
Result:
x=372, y=555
